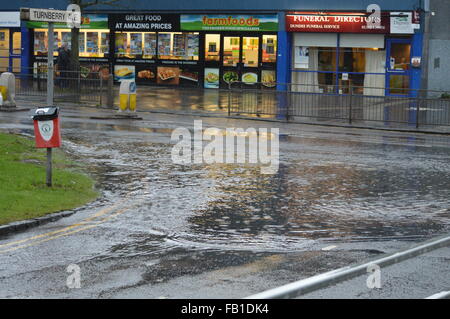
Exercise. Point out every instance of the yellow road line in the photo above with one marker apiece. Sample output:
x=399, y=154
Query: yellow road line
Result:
x=98, y=214
x=65, y=234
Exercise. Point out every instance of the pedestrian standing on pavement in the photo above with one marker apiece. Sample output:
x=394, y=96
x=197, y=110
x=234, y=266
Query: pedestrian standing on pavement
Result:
x=63, y=64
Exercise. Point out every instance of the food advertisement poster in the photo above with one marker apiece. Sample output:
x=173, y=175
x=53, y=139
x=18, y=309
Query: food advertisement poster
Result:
x=92, y=42
x=164, y=44
x=230, y=76
x=81, y=42
x=268, y=78
x=40, y=42
x=136, y=43
x=179, y=45
x=121, y=43
x=94, y=71
x=168, y=75
x=124, y=72
x=104, y=44
x=192, y=45
x=250, y=78
x=211, y=78
x=146, y=74
x=188, y=77
x=149, y=44
x=66, y=36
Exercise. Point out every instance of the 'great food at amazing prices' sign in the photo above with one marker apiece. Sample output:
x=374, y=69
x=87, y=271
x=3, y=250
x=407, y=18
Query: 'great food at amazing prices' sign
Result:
x=144, y=22
x=215, y=22
x=337, y=22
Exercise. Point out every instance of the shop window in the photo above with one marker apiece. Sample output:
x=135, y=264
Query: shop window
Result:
x=269, y=48
x=231, y=47
x=4, y=49
x=250, y=52
x=341, y=75
x=151, y=45
x=91, y=43
x=212, y=47
x=178, y=46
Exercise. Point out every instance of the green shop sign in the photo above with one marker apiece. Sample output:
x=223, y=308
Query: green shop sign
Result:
x=222, y=22
x=88, y=21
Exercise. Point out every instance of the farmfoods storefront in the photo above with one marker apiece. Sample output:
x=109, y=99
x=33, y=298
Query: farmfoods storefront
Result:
x=194, y=50
x=235, y=48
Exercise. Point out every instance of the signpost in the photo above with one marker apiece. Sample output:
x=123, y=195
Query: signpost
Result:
x=72, y=16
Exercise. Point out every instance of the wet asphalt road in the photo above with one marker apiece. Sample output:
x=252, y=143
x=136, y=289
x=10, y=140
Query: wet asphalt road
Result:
x=161, y=230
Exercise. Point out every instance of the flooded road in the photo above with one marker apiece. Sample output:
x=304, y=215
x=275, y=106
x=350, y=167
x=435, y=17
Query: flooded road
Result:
x=162, y=230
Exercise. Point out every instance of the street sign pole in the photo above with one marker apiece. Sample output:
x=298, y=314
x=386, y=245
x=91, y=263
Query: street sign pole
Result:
x=50, y=88
x=50, y=67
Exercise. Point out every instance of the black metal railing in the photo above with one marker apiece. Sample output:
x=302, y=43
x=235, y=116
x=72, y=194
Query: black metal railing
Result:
x=69, y=86
x=303, y=102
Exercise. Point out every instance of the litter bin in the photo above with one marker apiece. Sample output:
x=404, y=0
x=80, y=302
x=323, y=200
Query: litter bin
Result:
x=47, y=130
x=127, y=98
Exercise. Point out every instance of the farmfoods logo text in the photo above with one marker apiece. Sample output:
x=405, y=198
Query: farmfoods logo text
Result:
x=229, y=22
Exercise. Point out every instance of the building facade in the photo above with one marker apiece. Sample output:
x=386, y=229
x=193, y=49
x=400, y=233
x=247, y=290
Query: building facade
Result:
x=322, y=46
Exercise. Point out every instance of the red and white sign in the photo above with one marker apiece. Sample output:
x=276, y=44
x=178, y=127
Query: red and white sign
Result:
x=345, y=22
x=47, y=133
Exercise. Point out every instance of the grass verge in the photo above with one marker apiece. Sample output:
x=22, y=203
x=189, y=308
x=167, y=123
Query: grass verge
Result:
x=23, y=192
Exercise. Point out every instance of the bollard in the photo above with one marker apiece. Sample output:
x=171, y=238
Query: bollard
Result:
x=8, y=89
x=127, y=96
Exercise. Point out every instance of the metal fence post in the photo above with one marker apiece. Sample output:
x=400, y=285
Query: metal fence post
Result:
x=110, y=92
x=417, y=111
x=288, y=101
x=350, y=111
x=229, y=98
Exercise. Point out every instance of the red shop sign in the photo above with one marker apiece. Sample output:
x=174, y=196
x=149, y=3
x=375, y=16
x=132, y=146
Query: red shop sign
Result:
x=353, y=22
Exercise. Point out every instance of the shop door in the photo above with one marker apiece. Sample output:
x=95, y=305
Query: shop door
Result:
x=241, y=59
x=10, y=50
x=398, y=57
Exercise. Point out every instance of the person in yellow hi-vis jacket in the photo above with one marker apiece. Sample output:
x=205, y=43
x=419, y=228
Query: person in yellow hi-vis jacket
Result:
x=127, y=98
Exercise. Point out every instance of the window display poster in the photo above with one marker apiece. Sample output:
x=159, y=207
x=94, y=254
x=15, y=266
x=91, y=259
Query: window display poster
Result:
x=56, y=40
x=168, y=75
x=40, y=42
x=188, y=77
x=136, y=43
x=164, y=44
x=95, y=71
x=149, y=44
x=179, y=45
x=92, y=42
x=211, y=78
x=268, y=78
x=121, y=43
x=66, y=36
x=124, y=72
x=81, y=42
x=301, y=59
x=192, y=45
x=104, y=44
x=145, y=74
